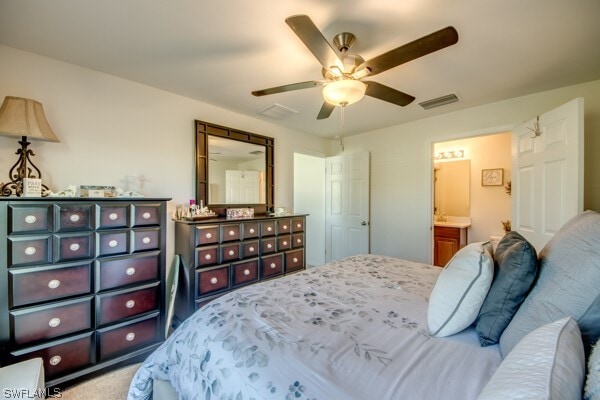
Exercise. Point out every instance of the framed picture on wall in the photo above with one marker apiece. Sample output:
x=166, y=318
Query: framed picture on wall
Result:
x=492, y=177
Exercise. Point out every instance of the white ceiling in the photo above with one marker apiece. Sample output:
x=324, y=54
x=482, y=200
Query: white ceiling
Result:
x=219, y=51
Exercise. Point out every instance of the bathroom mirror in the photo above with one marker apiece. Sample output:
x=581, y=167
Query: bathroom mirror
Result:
x=233, y=169
x=452, y=188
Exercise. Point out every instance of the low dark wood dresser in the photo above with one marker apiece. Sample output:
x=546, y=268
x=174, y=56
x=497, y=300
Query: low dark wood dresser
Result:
x=219, y=255
x=82, y=282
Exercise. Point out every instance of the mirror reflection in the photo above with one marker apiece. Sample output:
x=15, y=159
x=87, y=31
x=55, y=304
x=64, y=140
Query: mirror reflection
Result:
x=452, y=183
x=236, y=172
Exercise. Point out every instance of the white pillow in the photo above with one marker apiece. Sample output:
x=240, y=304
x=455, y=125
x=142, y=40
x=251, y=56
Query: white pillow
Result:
x=592, y=383
x=460, y=291
x=547, y=363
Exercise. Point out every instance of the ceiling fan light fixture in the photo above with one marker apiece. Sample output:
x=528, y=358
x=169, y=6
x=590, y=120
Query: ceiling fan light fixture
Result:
x=344, y=92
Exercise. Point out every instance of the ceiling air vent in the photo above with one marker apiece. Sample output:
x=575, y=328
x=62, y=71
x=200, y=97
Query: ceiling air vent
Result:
x=440, y=101
x=277, y=111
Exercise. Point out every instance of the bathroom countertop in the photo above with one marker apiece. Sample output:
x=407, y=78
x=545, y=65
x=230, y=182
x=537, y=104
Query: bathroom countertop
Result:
x=452, y=224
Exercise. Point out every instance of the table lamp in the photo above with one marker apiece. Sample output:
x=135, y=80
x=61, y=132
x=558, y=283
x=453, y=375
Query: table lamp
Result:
x=24, y=118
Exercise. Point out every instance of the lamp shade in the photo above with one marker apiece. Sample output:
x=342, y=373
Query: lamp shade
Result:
x=25, y=117
x=344, y=92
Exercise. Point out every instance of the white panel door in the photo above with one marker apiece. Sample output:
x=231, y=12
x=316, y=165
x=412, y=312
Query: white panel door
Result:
x=242, y=187
x=347, y=205
x=547, y=176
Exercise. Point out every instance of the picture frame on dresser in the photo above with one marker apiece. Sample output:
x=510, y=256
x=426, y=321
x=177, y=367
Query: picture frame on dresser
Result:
x=82, y=282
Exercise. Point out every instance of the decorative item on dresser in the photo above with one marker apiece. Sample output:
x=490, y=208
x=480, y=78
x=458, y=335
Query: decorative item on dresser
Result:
x=220, y=254
x=82, y=282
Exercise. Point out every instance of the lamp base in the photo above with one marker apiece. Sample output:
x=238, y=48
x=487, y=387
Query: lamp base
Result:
x=23, y=168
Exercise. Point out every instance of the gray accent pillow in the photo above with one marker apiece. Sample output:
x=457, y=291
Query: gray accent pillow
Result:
x=568, y=284
x=515, y=261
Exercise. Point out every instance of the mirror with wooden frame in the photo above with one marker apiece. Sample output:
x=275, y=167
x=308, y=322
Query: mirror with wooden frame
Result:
x=234, y=169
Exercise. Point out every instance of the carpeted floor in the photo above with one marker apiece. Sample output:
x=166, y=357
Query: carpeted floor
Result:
x=112, y=385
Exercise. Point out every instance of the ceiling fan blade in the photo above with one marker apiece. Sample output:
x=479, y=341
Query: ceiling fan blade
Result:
x=386, y=93
x=314, y=40
x=326, y=110
x=288, y=88
x=427, y=44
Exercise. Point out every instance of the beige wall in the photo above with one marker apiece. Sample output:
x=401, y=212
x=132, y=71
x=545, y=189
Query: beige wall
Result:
x=110, y=128
x=401, y=163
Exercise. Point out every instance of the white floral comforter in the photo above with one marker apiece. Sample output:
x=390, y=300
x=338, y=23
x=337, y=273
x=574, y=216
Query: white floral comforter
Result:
x=351, y=329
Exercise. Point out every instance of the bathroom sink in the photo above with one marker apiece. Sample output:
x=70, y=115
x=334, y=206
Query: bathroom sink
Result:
x=454, y=222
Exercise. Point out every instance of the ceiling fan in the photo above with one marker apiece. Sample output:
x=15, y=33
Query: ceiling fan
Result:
x=344, y=71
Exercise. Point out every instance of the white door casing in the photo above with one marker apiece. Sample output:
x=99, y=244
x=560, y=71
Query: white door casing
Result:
x=347, y=205
x=547, y=176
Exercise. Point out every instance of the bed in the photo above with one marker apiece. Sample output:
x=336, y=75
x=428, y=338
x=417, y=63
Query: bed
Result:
x=352, y=329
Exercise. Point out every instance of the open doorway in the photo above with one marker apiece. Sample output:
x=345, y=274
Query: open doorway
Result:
x=483, y=203
x=309, y=198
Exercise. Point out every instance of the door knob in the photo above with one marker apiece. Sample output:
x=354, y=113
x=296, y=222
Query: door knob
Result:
x=364, y=223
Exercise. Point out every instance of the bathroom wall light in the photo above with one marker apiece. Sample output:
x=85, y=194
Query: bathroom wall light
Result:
x=448, y=155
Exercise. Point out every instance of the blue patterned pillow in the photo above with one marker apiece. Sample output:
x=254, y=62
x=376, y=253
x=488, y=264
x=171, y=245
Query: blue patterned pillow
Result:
x=516, y=265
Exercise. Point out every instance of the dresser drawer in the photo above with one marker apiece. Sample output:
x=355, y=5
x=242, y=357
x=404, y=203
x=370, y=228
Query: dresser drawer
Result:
x=32, y=285
x=146, y=239
x=62, y=356
x=29, y=250
x=212, y=280
x=123, y=339
x=284, y=226
x=73, y=246
x=230, y=232
x=206, y=256
x=251, y=248
x=267, y=228
x=207, y=235
x=146, y=214
x=297, y=240
x=75, y=217
x=112, y=242
x=244, y=272
x=251, y=230
x=111, y=307
x=29, y=218
x=50, y=321
x=294, y=260
x=113, y=216
x=230, y=252
x=268, y=245
x=128, y=270
x=271, y=265
x=298, y=225
x=284, y=242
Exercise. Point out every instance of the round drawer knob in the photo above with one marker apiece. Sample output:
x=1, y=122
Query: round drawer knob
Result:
x=146, y=240
x=74, y=246
x=113, y=243
x=298, y=225
x=30, y=250
x=30, y=219
x=269, y=245
x=285, y=243
x=295, y=259
x=54, y=322
x=298, y=240
x=113, y=216
x=208, y=235
x=269, y=229
x=231, y=253
x=55, y=360
x=285, y=227
x=130, y=336
x=251, y=249
x=146, y=215
x=207, y=257
x=54, y=283
x=130, y=303
x=74, y=217
x=214, y=280
x=130, y=271
x=231, y=233
x=251, y=230
x=273, y=265
x=246, y=272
